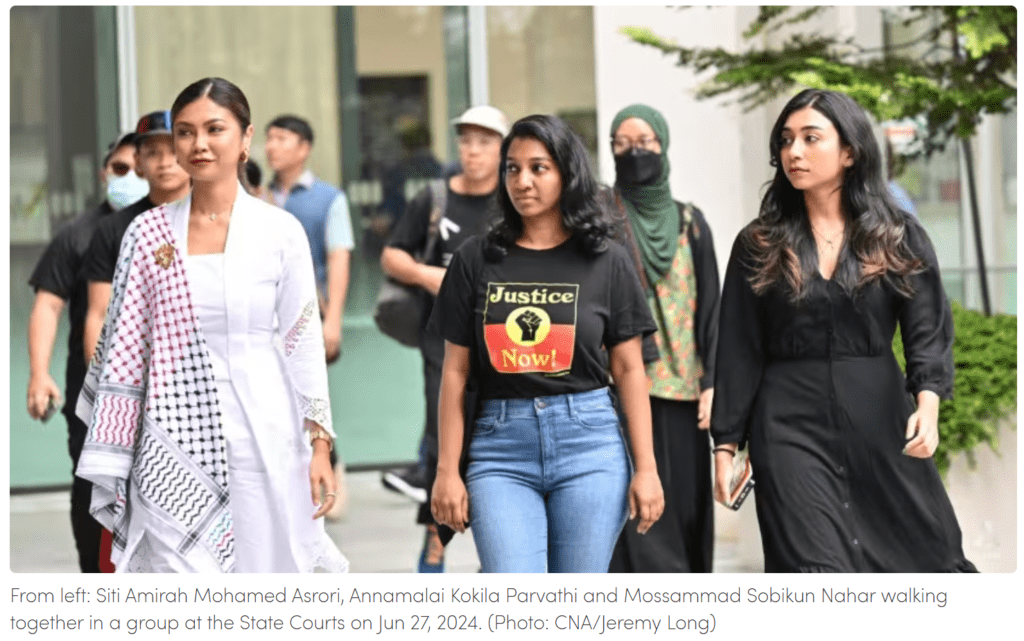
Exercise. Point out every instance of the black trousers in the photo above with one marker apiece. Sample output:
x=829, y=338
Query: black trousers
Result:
x=432, y=350
x=86, y=530
x=682, y=539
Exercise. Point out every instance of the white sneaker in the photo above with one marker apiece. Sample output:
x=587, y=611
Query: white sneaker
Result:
x=405, y=482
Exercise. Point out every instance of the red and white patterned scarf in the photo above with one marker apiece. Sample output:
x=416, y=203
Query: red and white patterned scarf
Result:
x=155, y=450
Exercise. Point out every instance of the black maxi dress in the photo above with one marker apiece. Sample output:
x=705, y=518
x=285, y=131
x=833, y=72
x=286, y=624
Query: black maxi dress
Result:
x=816, y=390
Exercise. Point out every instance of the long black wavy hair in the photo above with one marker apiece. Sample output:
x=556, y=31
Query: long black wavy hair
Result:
x=582, y=211
x=781, y=240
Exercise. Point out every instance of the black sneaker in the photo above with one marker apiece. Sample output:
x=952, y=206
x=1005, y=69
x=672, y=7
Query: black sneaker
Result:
x=410, y=482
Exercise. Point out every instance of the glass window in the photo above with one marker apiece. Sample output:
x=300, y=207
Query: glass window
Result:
x=541, y=60
x=29, y=213
x=57, y=114
x=282, y=58
x=933, y=183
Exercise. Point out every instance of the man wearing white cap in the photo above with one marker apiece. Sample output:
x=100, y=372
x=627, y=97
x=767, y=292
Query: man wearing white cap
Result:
x=467, y=205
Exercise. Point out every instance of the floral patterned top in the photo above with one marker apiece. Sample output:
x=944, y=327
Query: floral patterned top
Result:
x=677, y=372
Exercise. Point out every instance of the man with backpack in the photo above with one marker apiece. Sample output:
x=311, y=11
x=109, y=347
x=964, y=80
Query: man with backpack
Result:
x=441, y=217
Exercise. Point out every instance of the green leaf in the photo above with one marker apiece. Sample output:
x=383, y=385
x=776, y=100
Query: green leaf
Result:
x=917, y=78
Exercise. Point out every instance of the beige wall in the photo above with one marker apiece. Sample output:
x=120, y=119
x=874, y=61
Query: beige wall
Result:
x=541, y=59
x=283, y=58
x=403, y=41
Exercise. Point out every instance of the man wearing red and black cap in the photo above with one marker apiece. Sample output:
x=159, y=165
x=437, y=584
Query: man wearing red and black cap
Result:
x=57, y=281
x=155, y=161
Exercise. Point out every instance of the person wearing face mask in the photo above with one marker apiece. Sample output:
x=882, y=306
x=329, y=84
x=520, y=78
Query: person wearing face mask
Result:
x=57, y=281
x=166, y=180
x=675, y=257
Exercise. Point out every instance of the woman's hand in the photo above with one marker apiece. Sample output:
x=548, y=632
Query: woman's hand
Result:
x=923, y=427
x=707, y=397
x=321, y=475
x=450, y=502
x=723, y=472
x=646, y=499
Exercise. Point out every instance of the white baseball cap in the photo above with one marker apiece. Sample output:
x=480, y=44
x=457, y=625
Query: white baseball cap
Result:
x=484, y=116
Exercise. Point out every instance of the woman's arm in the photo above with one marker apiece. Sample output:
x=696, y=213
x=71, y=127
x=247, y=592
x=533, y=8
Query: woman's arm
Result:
x=738, y=365
x=646, y=497
x=705, y=330
x=705, y=267
x=926, y=326
x=302, y=339
x=923, y=426
x=321, y=474
x=724, y=455
x=450, y=502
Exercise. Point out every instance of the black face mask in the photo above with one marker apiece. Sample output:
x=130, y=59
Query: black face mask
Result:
x=638, y=167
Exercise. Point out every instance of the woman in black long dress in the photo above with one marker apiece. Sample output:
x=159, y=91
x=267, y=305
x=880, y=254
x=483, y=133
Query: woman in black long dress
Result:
x=813, y=292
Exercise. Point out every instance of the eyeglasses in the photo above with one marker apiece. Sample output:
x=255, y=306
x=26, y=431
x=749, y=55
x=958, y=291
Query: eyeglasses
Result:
x=620, y=144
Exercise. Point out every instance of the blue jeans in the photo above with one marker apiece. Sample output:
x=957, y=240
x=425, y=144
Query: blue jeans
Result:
x=548, y=480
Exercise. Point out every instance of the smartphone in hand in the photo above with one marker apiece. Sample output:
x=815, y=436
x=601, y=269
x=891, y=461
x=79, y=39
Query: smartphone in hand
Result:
x=742, y=481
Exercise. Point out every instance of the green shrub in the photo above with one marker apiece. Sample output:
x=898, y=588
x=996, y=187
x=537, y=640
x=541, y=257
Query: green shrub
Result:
x=985, y=386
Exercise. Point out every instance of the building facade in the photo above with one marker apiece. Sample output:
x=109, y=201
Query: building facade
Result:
x=365, y=77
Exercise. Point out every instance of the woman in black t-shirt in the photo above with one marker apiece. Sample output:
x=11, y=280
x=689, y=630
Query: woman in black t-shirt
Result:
x=532, y=314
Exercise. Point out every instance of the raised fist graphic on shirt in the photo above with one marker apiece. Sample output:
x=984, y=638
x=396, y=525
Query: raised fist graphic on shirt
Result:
x=529, y=322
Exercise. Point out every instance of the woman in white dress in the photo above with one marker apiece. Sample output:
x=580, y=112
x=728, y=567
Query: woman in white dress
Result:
x=212, y=344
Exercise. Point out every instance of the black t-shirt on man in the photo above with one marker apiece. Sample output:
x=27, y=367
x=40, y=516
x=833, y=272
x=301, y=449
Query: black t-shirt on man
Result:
x=537, y=322
x=101, y=259
x=59, y=272
x=464, y=216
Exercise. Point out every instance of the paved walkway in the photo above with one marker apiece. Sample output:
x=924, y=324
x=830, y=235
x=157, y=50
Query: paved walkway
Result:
x=377, y=535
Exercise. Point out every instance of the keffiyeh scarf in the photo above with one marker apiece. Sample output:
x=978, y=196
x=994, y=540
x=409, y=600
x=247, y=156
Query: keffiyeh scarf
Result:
x=155, y=451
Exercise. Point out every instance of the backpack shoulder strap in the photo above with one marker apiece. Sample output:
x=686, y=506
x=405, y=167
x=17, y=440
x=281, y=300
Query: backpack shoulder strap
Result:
x=438, y=204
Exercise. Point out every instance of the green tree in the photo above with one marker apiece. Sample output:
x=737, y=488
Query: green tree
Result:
x=961, y=65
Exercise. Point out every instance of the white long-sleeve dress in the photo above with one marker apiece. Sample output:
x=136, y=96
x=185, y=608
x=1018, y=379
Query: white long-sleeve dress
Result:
x=256, y=308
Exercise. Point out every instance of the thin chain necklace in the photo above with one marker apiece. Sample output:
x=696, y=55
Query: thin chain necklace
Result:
x=831, y=242
x=212, y=216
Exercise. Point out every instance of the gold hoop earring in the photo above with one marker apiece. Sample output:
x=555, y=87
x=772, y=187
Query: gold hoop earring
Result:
x=245, y=155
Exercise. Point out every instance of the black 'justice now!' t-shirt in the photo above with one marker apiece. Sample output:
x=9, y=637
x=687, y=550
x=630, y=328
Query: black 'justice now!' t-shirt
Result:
x=536, y=321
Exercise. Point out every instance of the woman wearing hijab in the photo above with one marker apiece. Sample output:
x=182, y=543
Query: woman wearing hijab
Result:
x=675, y=256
